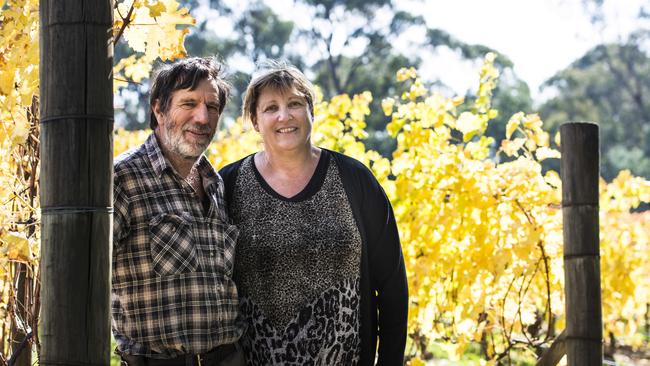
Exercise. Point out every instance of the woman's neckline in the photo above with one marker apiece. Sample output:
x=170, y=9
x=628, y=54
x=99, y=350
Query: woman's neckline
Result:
x=313, y=185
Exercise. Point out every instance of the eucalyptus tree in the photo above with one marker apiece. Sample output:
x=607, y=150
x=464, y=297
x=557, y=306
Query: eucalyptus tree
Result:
x=609, y=85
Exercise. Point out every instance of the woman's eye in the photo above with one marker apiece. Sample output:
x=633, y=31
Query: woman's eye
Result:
x=295, y=104
x=271, y=108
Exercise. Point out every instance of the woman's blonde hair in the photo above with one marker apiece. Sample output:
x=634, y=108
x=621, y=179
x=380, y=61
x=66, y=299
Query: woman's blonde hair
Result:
x=279, y=76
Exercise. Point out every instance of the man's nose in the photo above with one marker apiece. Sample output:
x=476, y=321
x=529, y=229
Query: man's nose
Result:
x=201, y=114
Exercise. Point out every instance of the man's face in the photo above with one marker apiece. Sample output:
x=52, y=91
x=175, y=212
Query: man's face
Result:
x=189, y=124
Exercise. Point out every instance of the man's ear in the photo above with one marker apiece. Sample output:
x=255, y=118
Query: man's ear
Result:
x=155, y=108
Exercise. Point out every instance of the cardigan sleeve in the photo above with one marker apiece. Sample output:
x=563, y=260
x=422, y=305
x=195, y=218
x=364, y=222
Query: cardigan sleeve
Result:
x=229, y=175
x=387, y=272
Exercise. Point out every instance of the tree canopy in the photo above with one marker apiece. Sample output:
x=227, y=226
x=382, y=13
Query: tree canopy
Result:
x=346, y=47
x=609, y=85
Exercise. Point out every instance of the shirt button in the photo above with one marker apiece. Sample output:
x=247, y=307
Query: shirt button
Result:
x=173, y=229
x=211, y=254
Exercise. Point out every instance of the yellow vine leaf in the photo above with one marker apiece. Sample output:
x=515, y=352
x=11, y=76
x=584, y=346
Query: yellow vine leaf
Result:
x=404, y=74
x=416, y=361
x=387, y=106
x=470, y=125
x=156, y=8
x=18, y=247
x=513, y=124
x=511, y=147
x=543, y=153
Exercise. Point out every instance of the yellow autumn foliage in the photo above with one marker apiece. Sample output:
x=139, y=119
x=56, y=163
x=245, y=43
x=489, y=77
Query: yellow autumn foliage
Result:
x=19, y=167
x=152, y=32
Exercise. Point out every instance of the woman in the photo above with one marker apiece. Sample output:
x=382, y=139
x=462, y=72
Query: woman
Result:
x=319, y=266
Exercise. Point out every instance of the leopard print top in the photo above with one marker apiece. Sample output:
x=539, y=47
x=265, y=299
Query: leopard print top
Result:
x=297, y=270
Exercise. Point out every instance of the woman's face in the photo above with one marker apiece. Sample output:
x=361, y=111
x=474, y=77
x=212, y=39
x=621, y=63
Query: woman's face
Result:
x=283, y=119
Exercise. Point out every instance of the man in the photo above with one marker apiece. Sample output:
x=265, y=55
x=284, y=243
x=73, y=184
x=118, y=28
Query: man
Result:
x=173, y=298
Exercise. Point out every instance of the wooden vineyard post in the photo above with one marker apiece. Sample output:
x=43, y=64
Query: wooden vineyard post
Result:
x=580, y=173
x=76, y=180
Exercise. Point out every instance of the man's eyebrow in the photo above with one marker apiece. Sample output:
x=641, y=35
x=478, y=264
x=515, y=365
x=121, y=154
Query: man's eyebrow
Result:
x=186, y=99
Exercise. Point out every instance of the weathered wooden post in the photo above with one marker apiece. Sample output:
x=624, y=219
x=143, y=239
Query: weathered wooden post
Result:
x=580, y=172
x=76, y=180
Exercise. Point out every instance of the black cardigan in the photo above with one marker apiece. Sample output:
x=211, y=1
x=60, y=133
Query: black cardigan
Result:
x=384, y=289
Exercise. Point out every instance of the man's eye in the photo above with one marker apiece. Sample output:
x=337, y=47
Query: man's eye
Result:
x=213, y=109
x=187, y=105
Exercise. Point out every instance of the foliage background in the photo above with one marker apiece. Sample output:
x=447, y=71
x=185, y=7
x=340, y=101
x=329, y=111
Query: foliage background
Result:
x=472, y=180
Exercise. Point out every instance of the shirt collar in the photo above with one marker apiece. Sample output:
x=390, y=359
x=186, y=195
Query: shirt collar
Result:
x=156, y=157
x=210, y=177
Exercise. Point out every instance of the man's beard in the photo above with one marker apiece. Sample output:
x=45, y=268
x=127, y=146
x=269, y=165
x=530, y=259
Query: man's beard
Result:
x=177, y=143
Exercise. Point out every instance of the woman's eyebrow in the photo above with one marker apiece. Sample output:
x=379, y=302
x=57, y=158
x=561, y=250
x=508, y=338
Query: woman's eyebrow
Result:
x=268, y=102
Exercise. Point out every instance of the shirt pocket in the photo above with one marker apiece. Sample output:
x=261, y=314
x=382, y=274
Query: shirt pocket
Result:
x=173, y=249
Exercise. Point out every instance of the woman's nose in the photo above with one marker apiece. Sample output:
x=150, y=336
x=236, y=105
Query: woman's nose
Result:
x=283, y=114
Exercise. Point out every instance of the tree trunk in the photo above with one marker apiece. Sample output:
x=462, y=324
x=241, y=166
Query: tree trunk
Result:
x=21, y=348
x=76, y=180
x=580, y=173
x=647, y=320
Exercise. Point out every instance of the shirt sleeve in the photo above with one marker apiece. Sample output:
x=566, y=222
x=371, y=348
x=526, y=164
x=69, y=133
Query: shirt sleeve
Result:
x=120, y=215
x=387, y=274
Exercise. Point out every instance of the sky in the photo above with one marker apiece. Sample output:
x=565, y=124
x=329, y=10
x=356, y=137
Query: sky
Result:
x=541, y=37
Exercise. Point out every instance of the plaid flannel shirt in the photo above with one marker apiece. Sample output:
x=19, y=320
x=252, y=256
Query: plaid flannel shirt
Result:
x=172, y=289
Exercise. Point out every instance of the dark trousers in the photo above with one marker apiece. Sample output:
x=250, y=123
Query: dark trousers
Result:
x=235, y=358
